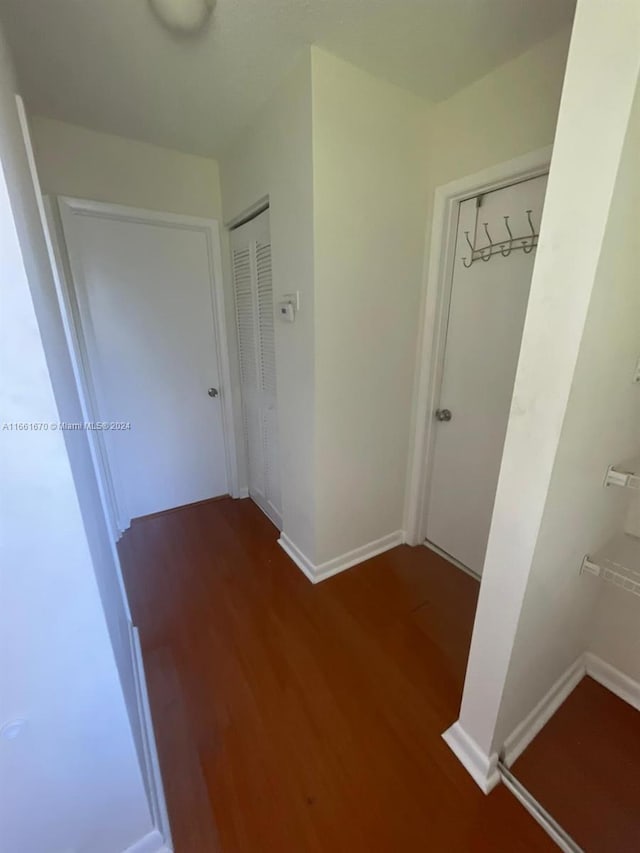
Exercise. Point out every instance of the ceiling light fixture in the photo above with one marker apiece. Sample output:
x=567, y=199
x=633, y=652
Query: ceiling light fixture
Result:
x=183, y=16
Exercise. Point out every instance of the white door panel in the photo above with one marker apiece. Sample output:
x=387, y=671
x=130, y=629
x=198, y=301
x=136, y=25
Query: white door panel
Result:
x=253, y=286
x=486, y=316
x=145, y=302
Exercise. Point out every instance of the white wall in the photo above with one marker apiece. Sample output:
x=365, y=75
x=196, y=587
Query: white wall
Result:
x=521, y=557
x=72, y=778
x=272, y=157
x=352, y=238
x=79, y=162
x=614, y=634
x=511, y=111
x=347, y=189
x=601, y=425
x=370, y=202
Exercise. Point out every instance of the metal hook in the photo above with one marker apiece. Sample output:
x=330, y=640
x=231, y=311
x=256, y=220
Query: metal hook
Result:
x=485, y=257
x=529, y=247
x=464, y=260
x=505, y=254
x=470, y=244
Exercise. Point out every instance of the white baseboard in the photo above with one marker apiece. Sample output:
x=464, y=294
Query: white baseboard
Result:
x=482, y=768
x=317, y=573
x=613, y=679
x=151, y=768
x=587, y=664
x=243, y=492
x=533, y=723
x=153, y=842
x=298, y=557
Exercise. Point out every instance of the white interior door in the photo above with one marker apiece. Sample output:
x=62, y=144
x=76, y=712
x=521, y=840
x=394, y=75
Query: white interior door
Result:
x=487, y=308
x=143, y=284
x=253, y=286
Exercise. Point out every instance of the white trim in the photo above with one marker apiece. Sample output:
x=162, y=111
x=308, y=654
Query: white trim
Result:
x=481, y=767
x=153, y=842
x=80, y=360
x=534, y=722
x=302, y=562
x=267, y=508
x=243, y=492
x=151, y=764
x=226, y=393
x=623, y=686
x=52, y=240
x=435, y=301
x=107, y=210
x=345, y=561
x=248, y=213
x=82, y=334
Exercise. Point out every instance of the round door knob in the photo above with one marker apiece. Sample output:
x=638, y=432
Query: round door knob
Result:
x=212, y=392
x=443, y=414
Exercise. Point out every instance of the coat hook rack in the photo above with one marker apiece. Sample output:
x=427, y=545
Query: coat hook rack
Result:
x=526, y=243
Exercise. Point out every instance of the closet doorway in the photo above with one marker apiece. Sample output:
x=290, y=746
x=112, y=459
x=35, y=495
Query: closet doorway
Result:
x=253, y=291
x=487, y=246
x=143, y=292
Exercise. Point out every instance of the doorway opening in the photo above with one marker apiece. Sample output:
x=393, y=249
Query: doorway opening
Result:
x=145, y=306
x=254, y=309
x=483, y=247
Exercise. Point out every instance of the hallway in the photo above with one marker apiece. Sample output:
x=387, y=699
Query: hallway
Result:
x=293, y=718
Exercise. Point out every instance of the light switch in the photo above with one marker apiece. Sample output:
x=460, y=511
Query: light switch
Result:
x=294, y=298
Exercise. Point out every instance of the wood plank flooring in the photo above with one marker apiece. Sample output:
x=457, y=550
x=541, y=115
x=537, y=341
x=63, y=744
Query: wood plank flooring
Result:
x=294, y=718
x=584, y=768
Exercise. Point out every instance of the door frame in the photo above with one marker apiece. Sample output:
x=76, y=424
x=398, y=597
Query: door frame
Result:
x=59, y=210
x=434, y=316
x=244, y=219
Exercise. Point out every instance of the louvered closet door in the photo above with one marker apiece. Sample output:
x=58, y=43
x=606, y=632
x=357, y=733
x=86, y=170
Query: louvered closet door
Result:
x=253, y=284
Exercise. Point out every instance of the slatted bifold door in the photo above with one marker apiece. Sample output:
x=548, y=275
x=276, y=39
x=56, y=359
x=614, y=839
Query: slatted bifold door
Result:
x=253, y=286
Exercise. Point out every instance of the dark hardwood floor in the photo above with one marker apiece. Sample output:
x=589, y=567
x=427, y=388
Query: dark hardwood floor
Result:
x=294, y=718
x=584, y=768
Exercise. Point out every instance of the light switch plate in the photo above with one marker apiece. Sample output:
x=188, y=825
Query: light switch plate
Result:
x=294, y=299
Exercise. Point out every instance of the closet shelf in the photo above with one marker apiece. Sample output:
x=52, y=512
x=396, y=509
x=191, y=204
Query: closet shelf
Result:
x=618, y=562
x=625, y=474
